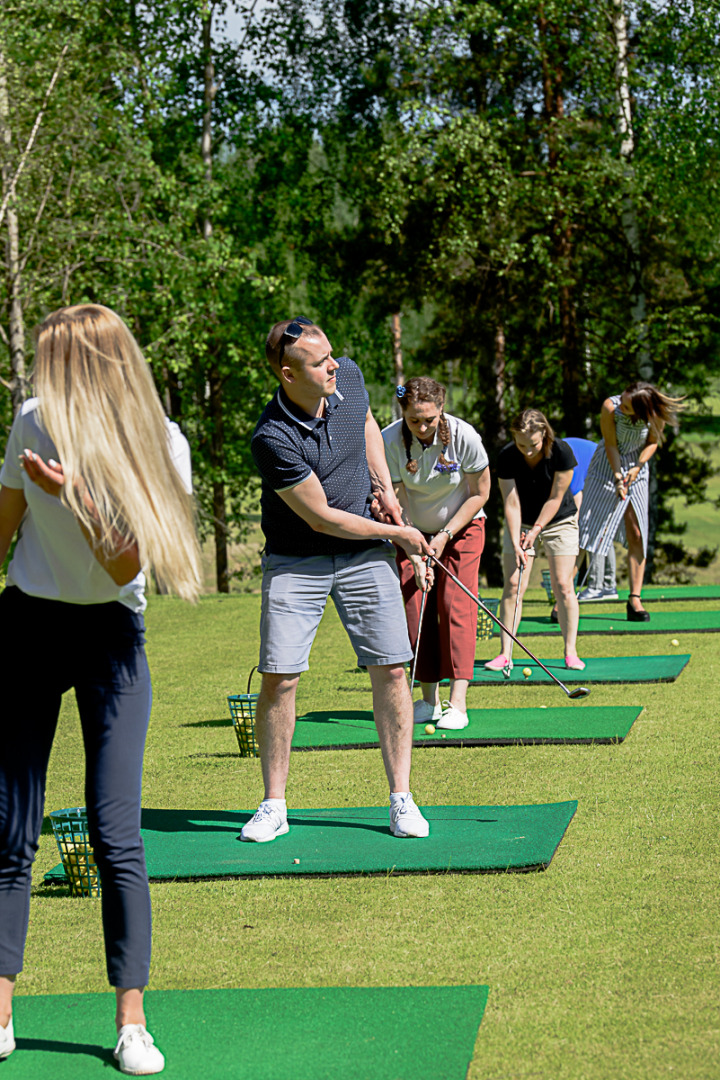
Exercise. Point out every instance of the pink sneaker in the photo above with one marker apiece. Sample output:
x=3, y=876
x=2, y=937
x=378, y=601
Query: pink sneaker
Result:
x=574, y=663
x=498, y=663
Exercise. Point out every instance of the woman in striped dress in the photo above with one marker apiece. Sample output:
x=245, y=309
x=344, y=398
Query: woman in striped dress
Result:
x=615, y=497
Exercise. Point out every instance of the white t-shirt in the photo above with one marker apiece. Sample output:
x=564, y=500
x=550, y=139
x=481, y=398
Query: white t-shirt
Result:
x=52, y=558
x=431, y=496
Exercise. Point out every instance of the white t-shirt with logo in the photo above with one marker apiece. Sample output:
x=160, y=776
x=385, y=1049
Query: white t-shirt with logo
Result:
x=432, y=495
x=52, y=558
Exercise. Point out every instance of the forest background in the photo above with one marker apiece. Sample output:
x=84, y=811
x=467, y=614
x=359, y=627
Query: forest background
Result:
x=518, y=197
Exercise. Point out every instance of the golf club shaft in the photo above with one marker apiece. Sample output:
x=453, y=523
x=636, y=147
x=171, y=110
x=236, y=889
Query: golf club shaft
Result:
x=515, y=613
x=502, y=626
x=417, y=643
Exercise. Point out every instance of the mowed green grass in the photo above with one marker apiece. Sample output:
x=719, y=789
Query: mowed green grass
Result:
x=605, y=965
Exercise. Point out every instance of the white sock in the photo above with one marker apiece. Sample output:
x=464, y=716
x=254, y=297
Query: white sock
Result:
x=396, y=796
x=279, y=804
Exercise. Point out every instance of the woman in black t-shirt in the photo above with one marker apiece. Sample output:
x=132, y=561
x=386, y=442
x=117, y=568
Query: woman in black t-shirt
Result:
x=535, y=471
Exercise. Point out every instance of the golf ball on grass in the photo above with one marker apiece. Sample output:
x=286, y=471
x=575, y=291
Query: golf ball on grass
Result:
x=674, y=641
x=429, y=729
x=527, y=672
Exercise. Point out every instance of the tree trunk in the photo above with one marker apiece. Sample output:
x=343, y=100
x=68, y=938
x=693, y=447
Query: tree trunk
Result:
x=18, y=384
x=215, y=380
x=560, y=227
x=398, y=362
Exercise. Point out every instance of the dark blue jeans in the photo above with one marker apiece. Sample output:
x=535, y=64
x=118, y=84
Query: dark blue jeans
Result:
x=97, y=649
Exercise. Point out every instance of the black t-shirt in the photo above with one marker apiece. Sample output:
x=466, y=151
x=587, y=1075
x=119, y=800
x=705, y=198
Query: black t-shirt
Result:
x=534, y=484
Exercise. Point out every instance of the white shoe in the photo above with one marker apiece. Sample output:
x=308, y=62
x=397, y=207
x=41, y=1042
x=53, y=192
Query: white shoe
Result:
x=452, y=717
x=136, y=1053
x=267, y=822
x=424, y=712
x=406, y=819
x=591, y=594
x=610, y=594
x=7, y=1040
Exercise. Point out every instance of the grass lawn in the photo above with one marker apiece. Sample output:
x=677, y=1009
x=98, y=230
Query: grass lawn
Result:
x=603, y=966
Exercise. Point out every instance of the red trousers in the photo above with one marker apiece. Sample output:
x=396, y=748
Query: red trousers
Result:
x=449, y=629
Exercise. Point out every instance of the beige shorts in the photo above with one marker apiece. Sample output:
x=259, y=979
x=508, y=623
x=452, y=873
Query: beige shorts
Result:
x=557, y=538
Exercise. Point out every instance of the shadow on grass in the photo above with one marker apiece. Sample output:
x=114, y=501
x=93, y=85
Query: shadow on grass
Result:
x=225, y=722
x=55, y=1046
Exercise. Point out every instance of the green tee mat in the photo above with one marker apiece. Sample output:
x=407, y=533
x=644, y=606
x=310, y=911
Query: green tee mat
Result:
x=351, y=840
x=598, y=669
x=605, y=622
x=309, y=1033
x=488, y=727
x=669, y=593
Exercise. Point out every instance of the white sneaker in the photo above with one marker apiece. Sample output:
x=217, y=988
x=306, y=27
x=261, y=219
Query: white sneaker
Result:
x=7, y=1040
x=267, y=822
x=136, y=1053
x=591, y=594
x=424, y=712
x=610, y=594
x=406, y=819
x=452, y=717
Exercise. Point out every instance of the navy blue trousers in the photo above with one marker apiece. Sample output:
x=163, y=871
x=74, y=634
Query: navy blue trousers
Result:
x=50, y=647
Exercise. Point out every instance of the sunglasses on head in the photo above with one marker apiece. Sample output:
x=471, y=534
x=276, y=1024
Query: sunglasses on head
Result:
x=291, y=333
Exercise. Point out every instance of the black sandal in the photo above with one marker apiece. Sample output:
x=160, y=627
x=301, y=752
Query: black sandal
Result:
x=636, y=616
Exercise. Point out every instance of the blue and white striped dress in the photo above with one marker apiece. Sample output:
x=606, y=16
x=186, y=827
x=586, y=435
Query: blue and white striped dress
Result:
x=601, y=506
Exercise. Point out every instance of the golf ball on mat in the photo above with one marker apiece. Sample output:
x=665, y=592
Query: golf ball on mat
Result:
x=527, y=672
x=674, y=641
x=429, y=729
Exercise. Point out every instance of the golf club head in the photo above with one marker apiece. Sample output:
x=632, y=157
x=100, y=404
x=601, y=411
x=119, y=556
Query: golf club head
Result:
x=506, y=671
x=579, y=691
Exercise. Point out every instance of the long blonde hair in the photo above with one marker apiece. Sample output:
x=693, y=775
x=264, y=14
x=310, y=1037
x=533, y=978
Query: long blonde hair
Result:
x=99, y=405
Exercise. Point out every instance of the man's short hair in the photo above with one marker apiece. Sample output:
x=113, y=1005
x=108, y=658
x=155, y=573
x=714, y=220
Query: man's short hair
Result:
x=293, y=351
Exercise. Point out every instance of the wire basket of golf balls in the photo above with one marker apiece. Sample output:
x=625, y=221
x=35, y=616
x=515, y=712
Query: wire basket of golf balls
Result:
x=242, y=711
x=547, y=586
x=71, y=833
x=486, y=626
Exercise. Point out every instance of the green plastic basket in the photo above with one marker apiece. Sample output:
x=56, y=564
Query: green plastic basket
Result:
x=486, y=627
x=242, y=712
x=71, y=833
x=547, y=586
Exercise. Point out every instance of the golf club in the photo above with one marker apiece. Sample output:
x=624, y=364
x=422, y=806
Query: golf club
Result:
x=578, y=692
x=417, y=643
x=508, y=667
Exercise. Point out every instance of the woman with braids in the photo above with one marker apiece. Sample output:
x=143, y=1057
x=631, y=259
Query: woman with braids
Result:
x=439, y=469
x=100, y=481
x=615, y=497
x=535, y=471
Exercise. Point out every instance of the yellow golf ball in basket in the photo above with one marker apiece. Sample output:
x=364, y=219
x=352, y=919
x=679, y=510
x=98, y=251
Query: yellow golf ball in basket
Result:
x=429, y=729
x=527, y=672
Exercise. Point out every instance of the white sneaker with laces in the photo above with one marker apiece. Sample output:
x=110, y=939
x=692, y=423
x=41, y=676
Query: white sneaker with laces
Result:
x=591, y=594
x=424, y=712
x=267, y=822
x=136, y=1053
x=7, y=1040
x=452, y=717
x=610, y=594
x=405, y=817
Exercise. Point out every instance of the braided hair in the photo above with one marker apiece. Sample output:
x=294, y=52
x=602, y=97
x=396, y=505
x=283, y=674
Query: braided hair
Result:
x=415, y=391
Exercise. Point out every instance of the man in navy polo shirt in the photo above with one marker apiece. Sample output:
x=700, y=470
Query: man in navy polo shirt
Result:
x=320, y=455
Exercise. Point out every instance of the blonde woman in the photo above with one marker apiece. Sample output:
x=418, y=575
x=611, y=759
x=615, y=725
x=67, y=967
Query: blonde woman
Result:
x=615, y=497
x=91, y=471
x=535, y=471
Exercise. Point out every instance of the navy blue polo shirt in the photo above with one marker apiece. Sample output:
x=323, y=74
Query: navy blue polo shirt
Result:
x=288, y=445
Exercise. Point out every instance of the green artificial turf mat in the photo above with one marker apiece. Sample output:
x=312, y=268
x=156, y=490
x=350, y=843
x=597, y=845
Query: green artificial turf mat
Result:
x=598, y=669
x=487, y=727
x=606, y=622
x=356, y=1033
x=351, y=840
x=654, y=593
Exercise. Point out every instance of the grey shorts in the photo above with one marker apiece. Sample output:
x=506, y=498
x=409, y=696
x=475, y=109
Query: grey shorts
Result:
x=366, y=590
x=557, y=538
